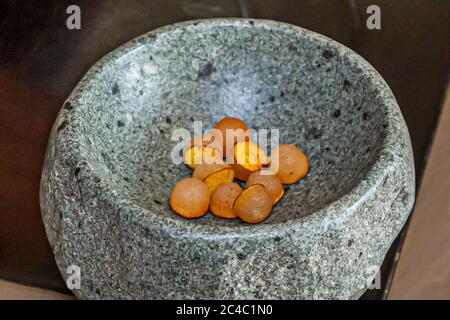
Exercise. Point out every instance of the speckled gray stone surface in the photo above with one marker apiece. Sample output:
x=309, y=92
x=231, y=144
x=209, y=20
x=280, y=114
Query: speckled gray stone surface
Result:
x=108, y=171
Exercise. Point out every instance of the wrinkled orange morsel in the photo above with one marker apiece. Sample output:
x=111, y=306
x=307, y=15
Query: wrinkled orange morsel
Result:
x=293, y=163
x=231, y=124
x=271, y=182
x=249, y=155
x=214, y=174
x=196, y=155
x=223, y=198
x=254, y=204
x=190, y=198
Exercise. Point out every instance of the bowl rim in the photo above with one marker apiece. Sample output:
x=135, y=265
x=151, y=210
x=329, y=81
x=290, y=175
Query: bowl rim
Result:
x=325, y=216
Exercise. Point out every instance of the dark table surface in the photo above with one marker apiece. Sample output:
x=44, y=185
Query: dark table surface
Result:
x=41, y=61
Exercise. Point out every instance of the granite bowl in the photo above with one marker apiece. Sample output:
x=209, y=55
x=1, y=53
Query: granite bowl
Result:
x=108, y=171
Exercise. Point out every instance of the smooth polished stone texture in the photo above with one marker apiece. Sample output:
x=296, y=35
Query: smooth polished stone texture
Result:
x=108, y=172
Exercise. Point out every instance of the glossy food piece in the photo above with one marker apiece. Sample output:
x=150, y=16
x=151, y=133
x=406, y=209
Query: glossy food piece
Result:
x=204, y=170
x=249, y=155
x=240, y=172
x=248, y=158
x=254, y=204
x=190, y=198
x=223, y=198
x=271, y=182
x=198, y=154
x=214, y=174
x=293, y=164
x=230, y=123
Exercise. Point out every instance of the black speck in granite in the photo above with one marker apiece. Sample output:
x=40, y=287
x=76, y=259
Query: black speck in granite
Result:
x=336, y=113
x=241, y=256
x=313, y=133
x=327, y=54
x=292, y=48
x=62, y=125
x=68, y=106
x=115, y=88
x=346, y=85
x=206, y=70
x=165, y=95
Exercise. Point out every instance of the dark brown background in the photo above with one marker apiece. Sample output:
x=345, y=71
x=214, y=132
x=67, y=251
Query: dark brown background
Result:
x=41, y=61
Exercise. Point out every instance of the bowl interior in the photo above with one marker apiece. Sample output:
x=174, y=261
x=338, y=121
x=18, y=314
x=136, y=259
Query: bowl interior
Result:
x=270, y=75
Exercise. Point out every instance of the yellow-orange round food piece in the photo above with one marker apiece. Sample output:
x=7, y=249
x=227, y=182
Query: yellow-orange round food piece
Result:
x=293, y=163
x=230, y=123
x=249, y=155
x=240, y=172
x=214, y=174
x=223, y=198
x=204, y=170
x=271, y=182
x=190, y=198
x=198, y=154
x=254, y=204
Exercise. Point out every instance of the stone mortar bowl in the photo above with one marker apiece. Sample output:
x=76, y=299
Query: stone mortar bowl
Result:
x=108, y=172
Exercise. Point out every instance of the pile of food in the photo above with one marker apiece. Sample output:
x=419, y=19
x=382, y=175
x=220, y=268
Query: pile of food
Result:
x=212, y=185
